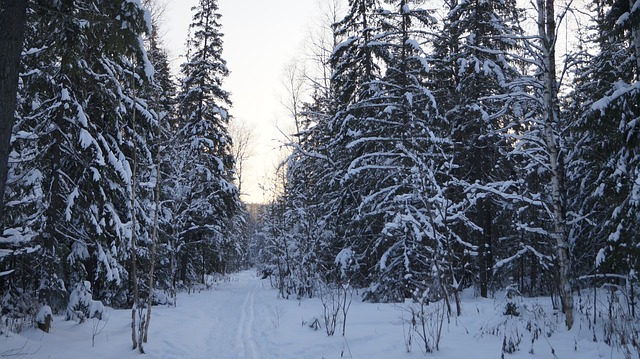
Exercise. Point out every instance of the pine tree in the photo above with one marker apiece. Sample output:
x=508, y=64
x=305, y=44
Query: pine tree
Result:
x=390, y=159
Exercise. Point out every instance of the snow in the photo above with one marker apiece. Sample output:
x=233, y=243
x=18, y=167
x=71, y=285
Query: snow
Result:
x=33, y=51
x=85, y=139
x=413, y=44
x=44, y=311
x=7, y=272
x=601, y=257
x=82, y=117
x=622, y=89
x=615, y=236
x=345, y=43
x=81, y=306
x=343, y=260
x=70, y=202
x=96, y=174
x=243, y=318
x=622, y=19
x=64, y=95
x=149, y=70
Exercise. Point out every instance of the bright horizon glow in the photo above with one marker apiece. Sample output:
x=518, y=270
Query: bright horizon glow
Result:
x=260, y=39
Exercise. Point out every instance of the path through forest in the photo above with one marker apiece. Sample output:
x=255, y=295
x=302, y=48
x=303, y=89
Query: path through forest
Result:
x=241, y=317
x=233, y=321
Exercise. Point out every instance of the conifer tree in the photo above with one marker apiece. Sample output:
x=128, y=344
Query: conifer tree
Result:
x=161, y=96
x=390, y=157
x=75, y=106
x=355, y=66
x=471, y=65
x=12, y=19
x=606, y=175
x=207, y=196
x=405, y=153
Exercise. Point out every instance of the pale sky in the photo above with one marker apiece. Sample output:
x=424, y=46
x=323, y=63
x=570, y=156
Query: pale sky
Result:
x=260, y=38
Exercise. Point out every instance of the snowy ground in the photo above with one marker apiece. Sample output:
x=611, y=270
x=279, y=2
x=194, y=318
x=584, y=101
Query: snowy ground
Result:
x=242, y=318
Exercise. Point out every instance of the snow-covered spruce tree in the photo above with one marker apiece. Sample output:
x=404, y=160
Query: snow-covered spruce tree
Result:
x=400, y=151
x=311, y=256
x=19, y=223
x=470, y=65
x=12, y=19
x=314, y=205
x=390, y=156
x=355, y=68
x=314, y=192
x=125, y=137
x=76, y=107
x=207, y=197
x=606, y=177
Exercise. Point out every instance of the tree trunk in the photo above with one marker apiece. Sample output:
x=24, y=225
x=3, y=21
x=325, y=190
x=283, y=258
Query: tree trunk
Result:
x=173, y=270
x=635, y=34
x=547, y=33
x=486, y=262
x=154, y=241
x=13, y=15
x=134, y=257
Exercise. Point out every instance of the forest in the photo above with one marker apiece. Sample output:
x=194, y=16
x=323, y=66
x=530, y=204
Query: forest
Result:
x=437, y=146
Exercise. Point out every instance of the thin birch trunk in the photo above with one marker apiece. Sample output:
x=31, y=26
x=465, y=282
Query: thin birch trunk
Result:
x=547, y=33
x=134, y=259
x=154, y=241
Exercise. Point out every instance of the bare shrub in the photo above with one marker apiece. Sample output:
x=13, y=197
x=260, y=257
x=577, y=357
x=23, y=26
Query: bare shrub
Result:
x=97, y=326
x=336, y=302
x=611, y=312
x=424, y=321
x=277, y=312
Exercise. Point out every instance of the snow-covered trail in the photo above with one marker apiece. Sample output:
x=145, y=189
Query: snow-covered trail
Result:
x=231, y=321
x=225, y=323
x=242, y=318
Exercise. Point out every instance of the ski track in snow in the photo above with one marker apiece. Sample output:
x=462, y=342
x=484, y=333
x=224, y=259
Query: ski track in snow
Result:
x=225, y=324
x=242, y=318
x=244, y=335
x=241, y=331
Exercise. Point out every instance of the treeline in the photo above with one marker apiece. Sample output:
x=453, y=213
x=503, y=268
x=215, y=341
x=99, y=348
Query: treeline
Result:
x=442, y=151
x=114, y=167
